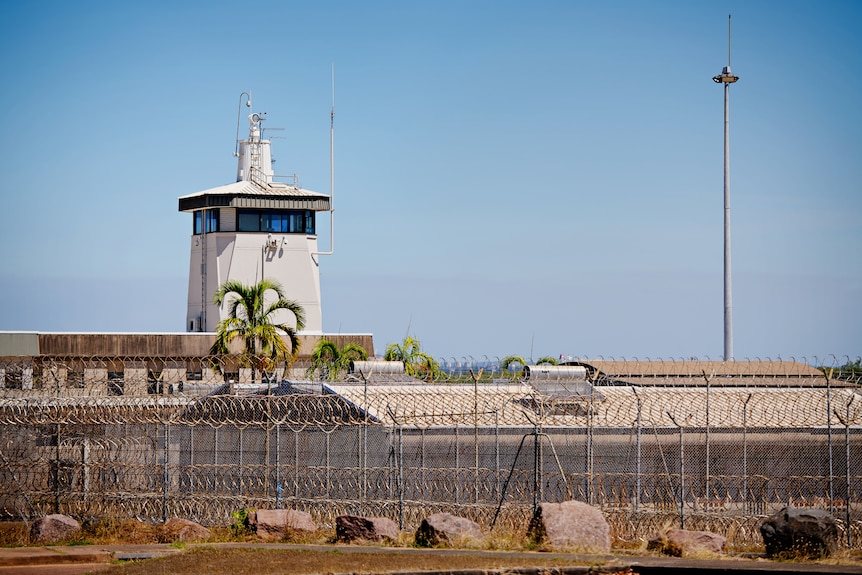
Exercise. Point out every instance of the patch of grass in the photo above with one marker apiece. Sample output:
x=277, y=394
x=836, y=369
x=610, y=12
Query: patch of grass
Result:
x=843, y=557
x=109, y=532
x=507, y=540
x=14, y=534
x=74, y=542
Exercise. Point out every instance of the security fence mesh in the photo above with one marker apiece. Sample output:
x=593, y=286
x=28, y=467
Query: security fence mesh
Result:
x=150, y=438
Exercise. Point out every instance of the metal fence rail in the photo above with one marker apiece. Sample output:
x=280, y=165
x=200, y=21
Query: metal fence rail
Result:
x=704, y=457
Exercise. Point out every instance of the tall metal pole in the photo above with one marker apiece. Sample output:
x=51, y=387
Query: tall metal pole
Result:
x=727, y=79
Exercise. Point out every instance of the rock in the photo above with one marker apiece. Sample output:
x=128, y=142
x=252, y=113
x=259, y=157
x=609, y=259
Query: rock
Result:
x=280, y=523
x=800, y=533
x=350, y=528
x=683, y=543
x=444, y=528
x=53, y=528
x=177, y=529
x=571, y=525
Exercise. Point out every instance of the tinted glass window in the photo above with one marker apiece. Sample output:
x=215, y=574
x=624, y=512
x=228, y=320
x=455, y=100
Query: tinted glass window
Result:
x=309, y=222
x=270, y=222
x=283, y=221
x=248, y=221
x=212, y=220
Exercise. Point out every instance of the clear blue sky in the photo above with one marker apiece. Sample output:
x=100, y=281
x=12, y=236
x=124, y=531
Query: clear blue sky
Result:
x=536, y=178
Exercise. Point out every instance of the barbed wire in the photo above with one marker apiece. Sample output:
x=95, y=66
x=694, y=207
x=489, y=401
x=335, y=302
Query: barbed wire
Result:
x=694, y=442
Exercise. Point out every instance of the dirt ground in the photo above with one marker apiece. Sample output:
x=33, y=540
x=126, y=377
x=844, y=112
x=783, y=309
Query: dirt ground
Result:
x=230, y=553
x=219, y=561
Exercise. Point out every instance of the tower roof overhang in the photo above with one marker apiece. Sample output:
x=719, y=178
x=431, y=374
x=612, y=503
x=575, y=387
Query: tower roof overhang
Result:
x=248, y=194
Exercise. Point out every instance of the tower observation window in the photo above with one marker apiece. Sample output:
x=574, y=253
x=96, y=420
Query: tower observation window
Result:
x=279, y=221
x=206, y=221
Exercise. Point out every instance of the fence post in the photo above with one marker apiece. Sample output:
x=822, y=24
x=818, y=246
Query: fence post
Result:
x=278, y=486
x=295, y=464
x=681, y=472
x=590, y=497
x=422, y=456
x=359, y=468
x=267, y=428
x=401, y=477
x=85, y=466
x=847, y=473
x=829, y=439
x=496, y=453
x=57, y=474
x=239, y=466
x=457, y=463
x=681, y=479
x=328, y=466
x=745, y=455
x=192, y=473
x=706, y=454
x=537, y=462
x=476, y=440
x=364, y=438
x=391, y=463
x=638, y=447
x=847, y=496
x=165, y=479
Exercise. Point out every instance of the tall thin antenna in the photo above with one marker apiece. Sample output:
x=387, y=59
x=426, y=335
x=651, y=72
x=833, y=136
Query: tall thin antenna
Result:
x=332, y=147
x=331, y=173
x=727, y=78
x=728, y=40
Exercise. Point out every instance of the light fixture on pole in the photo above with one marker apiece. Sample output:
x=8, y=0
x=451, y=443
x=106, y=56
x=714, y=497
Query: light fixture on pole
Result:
x=727, y=78
x=238, y=114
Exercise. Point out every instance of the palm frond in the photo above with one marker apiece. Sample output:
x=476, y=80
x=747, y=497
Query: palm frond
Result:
x=251, y=319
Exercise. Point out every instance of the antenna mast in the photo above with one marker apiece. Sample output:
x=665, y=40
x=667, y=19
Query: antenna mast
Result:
x=331, y=173
x=727, y=78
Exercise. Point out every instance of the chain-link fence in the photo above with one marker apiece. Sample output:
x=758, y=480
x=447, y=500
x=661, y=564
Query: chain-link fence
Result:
x=154, y=438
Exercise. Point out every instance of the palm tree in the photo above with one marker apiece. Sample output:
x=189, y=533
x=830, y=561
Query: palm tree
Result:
x=250, y=318
x=509, y=360
x=332, y=361
x=416, y=362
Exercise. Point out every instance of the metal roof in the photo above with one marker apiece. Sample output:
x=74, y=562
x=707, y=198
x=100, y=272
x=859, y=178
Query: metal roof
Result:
x=435, y=405
x=697, y=369
x=760, y=407
x=520, y=405
x=250, y=194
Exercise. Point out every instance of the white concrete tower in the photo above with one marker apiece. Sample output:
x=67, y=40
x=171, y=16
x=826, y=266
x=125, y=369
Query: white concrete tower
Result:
x=252, y=229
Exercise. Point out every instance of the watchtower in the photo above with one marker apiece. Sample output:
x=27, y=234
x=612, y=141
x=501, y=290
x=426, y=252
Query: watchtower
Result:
x=252, y=229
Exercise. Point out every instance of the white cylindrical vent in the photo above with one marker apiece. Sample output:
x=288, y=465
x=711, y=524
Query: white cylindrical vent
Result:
x=376, y=367
x=555, y=373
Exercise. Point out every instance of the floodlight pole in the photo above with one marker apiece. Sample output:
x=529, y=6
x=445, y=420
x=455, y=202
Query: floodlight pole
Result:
x=726, y=78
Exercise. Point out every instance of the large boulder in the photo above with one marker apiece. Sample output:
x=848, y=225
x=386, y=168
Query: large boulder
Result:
x=447, y=529
x=800, y=533
x=570, y=525
x=684, y=543
x=349, y=528
x=176, y=529
x=53, y=528
x=280, y=523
